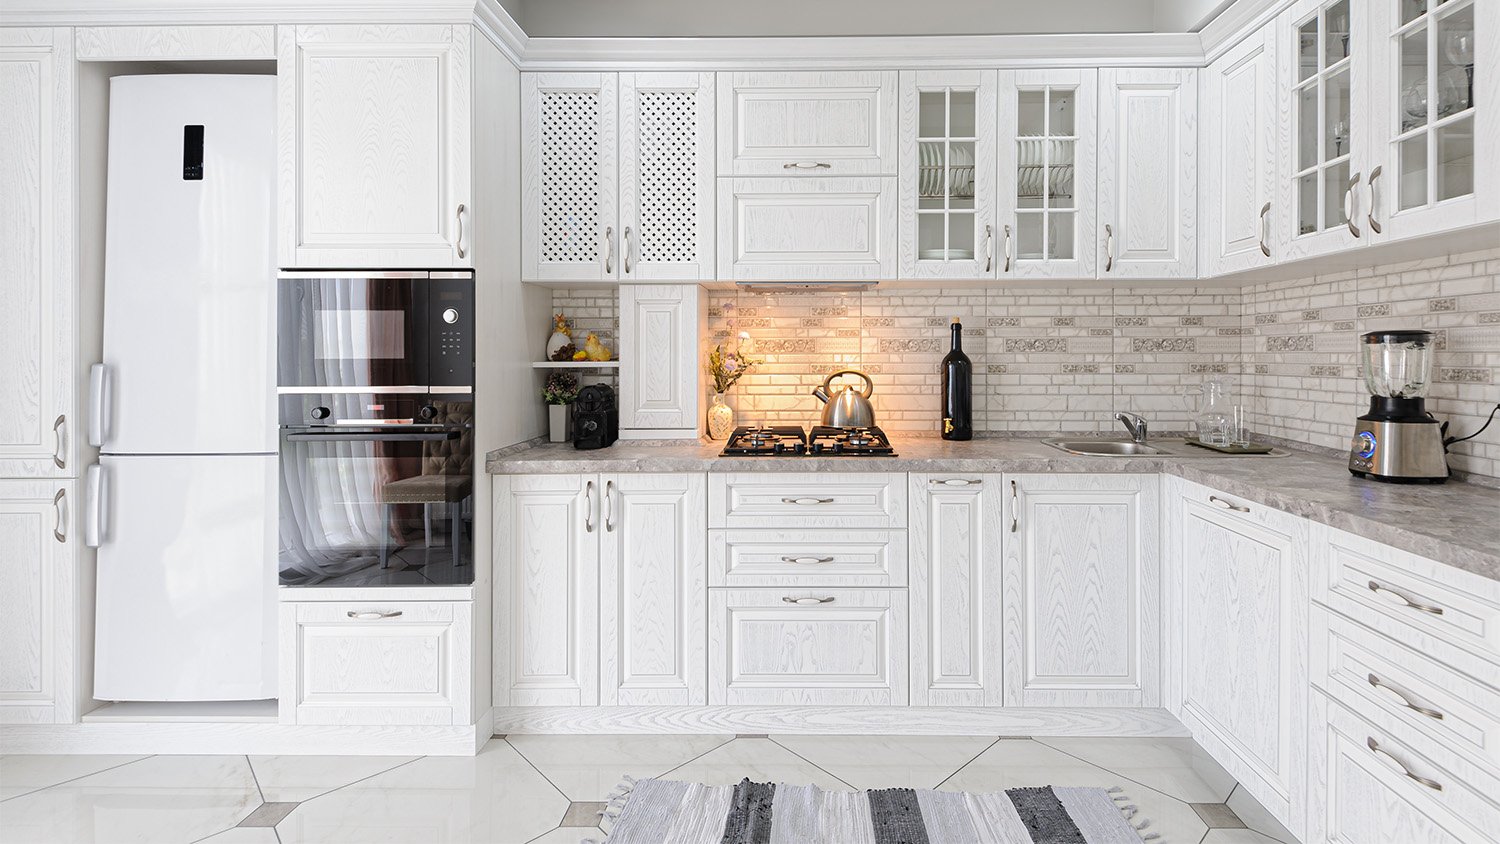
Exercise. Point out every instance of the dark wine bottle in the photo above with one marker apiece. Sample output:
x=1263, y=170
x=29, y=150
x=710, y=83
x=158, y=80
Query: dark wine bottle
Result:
x=958, y=390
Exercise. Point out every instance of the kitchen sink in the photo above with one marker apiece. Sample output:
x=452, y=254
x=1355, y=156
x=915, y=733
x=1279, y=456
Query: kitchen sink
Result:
x=1109, y=448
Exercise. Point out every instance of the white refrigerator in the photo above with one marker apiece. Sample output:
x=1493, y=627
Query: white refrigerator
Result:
x=181, y=504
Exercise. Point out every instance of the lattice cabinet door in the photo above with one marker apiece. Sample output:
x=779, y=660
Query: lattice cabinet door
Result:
x=570, y=230
x=667, y=176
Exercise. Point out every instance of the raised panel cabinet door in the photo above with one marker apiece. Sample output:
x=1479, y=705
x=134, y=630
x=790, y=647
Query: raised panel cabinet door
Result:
x=667, y=176
x=659, y=392
x=1082, y=590
x=824, y=123
x=374, y=146
x=570, y=228
x=1243, y=605
x=37, y=282
x=807, y=647
x=653, y=586
x=801, y=229
x=546, y=616
x=1239, y=131
x=955, y=559
x=1148, y=173
x=947, y=178
x=38, y=615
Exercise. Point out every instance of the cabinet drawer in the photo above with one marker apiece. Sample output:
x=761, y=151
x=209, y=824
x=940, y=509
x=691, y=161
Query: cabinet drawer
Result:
x=806, y=558
x=1369, y=769
x=807, y=647
x=1410, y=598
x=1368, y=672
x=370, y=662
x=807, y=124
x=807, y=500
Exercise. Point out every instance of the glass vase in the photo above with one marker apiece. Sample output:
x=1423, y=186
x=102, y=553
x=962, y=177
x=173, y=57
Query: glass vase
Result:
x=720, y=417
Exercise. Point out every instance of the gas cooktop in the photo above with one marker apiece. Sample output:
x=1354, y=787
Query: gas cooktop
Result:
x=791, y=440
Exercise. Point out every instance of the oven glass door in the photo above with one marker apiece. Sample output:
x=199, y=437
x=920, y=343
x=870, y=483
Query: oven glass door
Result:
x=339, y=331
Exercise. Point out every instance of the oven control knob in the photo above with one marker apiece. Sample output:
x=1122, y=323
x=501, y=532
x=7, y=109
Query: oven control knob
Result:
x=450, y=316
x=320, y=413
x=427, y=412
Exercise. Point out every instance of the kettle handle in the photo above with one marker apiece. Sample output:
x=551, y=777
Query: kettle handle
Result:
x=869, y=385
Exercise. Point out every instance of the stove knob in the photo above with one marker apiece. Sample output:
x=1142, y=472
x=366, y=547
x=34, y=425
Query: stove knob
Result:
x=320, y=412
x=778, y=448
x=427, y=412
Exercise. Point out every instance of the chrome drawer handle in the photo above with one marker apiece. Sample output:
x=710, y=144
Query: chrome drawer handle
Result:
x=1374, y=204
x=956, y=481
x=806, y=165
x=989, y=237
x=807, y=561
x=59, y=454
x=1405, y=771
x=1264, y=234
x=807, y=601
x=588, y=507
x=1351, y=204
x=1405, y=701
x=59, y=530
x=1377, y=587
x=1007, y=249
x=1109, y=247
x=368, y=615
x=1229, y=505
x=807, y=501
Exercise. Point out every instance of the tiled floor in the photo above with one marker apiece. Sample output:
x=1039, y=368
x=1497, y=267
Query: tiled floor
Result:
x=549, y=789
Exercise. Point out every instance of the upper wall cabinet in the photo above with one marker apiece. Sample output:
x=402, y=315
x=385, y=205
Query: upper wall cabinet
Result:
x=569, y=177
x=374, y=137
x=838, y=123
x=947, y=183
x=1148, y=171
x=667, y=176
x=36, y=253
x=1238, y=140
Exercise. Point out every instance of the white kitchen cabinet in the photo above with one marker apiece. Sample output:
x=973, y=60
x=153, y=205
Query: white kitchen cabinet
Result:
x=807, y=647
x=667, y=176
x=798, y=557
x=1240, y=127
x=947, y=178
x=570, y=225
x=1047, y=174
x=38, y=607
x=781, y=500
x=833, y=123
x=374, y=137
x=37, y=285
x=660, y=392
x=956, y=622
x=546, y=590
x=1082, y=590
x=1239, y=593
x=839, y=228
x=1148, y=173
x=652, y=586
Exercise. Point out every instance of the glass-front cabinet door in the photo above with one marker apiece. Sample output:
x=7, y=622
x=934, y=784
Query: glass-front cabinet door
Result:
x=948, y=174
x=1433, y=96
x=1047, y=174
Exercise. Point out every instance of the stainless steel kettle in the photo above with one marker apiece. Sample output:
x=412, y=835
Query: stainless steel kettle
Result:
x=847, y=408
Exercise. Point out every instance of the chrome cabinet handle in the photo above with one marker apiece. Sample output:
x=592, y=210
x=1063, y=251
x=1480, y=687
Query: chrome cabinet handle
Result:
x=1374, y=224
x=989, y=237
x=1405, y=701
x=58, y=528
x=807, y=501
x=1265, y=210
x=459, y=242
x=806, y=165
x=1007, y=250
x=367, y=615
x=626, y=252
x=59, y=454
x=1351, y=200
x=1405, y=771
x=588, y=507
x=609, y=249
x=807, y=561
x=956, y=481
x=1109, y=247
x=1229, y=505
x=609, y=506
x=1015, y=512
x=807, y=601
x=1377, y=587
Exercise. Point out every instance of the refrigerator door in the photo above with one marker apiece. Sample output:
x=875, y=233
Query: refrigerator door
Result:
x=186, y=604
x=189, y=267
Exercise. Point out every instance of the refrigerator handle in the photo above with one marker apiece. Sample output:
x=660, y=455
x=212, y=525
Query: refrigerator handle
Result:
x=93, y=506
x=99, y=398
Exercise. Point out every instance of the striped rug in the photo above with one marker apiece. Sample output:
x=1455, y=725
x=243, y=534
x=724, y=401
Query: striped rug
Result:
x=653, y=811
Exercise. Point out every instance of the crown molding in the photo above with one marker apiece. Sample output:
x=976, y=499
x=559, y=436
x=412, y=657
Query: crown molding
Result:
x=1232, y=25
x=191, y=12
x=491, y=19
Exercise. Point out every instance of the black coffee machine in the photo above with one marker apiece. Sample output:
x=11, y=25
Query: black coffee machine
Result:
x=596, y=422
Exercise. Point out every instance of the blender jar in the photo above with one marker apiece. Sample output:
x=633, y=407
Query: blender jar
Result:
x=1396, y=364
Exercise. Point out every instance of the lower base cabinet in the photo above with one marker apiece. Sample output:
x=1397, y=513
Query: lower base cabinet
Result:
x=38, y=604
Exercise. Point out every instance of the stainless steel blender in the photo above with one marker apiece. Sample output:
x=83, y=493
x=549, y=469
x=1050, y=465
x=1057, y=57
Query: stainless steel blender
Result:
x=1398, y=440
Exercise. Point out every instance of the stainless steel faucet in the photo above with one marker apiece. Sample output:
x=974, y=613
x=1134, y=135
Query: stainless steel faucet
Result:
x=1134, y=424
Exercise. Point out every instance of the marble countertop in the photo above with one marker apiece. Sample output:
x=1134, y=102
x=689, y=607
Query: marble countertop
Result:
x=1453, y=523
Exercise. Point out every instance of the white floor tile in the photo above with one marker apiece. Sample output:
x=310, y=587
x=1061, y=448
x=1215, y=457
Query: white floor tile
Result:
x=1174, y=766
x=243, y=835
x=494, y=797
x=1236, y=836
x=571, y=835
x=762, y=760
x=1257, y=817
x=587, y=768
x=23, y=773
x=1021, y=763
x=160, y=800
x=292, y=779
x=888, y=761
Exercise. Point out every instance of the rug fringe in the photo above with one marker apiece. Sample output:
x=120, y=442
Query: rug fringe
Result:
x=1129, y=810
x=614, y=804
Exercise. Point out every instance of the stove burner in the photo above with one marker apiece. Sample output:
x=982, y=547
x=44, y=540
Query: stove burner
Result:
x=752, y=441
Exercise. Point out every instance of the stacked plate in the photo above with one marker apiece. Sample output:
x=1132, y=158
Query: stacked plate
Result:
x=930, y=174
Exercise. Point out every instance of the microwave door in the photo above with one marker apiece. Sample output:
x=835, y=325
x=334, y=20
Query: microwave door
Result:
x=347, y=331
